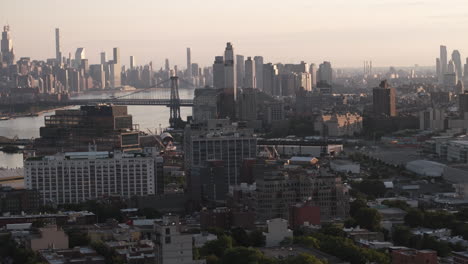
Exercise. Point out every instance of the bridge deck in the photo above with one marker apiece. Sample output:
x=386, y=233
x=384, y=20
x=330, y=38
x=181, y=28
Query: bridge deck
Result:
x=166, y=102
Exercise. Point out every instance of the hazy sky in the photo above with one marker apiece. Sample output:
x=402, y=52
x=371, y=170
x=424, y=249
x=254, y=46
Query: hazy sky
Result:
x=346, y=32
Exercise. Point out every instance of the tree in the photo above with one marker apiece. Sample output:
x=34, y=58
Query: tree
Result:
x=216, y=247
x=439, y=219
x=109, y=254
x=461, y=229
x=356, y=205
x=307, y=241
x=345, y=249
x=350, y=222
x=397, y=204
x=10, y=252
x=77, y=238
x=368, y=218
x=150, y=213
x=462, y=215
x=257, y=239
x=242, y=255
x=212, y=259
x=401, y=235
x=303, y=259
x=442, y=248
x=287, y=241
x=39, y=223
x=333, y=230
x=195, y=253
x=241, y=238
x=373, y=188
x=414, y=218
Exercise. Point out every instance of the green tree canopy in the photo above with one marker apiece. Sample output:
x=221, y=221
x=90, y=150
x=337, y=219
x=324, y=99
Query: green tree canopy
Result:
x=414, y=218
x=356, y=205
x=303, y=259
x=368, y=218
x=216, y=247
x=242, y=255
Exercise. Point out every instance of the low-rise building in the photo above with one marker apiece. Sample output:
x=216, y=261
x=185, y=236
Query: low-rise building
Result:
x=50, y=236
x=199, y=240
x=460, y=257
x=303, y=214
x=408, y=255
x=426, y=168
x=173, y=246
x=391, y=216
x=141, y=252
x=277, y=232
x=225, y=218
x=358, y=234
x=77, y=255
x=114, y=232
x=345, y=166
x=58, y=219
x=15, y=201
x=338, y=125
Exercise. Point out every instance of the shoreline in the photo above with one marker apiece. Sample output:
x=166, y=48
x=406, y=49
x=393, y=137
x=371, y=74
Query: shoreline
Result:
x=32, y=113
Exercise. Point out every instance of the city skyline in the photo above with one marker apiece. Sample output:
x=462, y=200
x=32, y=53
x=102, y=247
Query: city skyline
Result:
x=347, y=38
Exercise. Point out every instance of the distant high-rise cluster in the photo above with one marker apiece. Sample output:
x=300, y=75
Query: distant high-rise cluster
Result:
x=450, y=73
x=72, y=72
x=367, y=67
x=233, y=72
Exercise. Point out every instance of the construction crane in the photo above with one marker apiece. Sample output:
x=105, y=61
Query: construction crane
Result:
x=158, y=140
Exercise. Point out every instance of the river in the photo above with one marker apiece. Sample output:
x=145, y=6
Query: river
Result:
x=147, y=117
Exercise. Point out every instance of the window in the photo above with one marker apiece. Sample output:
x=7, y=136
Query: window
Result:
x=167, y=240
x=168, y=231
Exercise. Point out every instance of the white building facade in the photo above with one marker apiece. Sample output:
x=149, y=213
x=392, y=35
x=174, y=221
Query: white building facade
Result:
x=277, y=232
x=78, y=176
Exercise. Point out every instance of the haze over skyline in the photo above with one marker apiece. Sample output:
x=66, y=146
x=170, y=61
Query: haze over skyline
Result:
x=388, y=32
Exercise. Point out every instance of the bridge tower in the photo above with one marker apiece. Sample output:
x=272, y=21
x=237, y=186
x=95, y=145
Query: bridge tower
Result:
x=175, y=120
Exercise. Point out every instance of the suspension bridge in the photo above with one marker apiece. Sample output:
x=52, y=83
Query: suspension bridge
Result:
x=148, y=96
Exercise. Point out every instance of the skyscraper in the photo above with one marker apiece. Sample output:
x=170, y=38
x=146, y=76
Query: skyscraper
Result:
x=132, y=62
x=58, y=53
x=8, y=55
x=451, y=67
x=79, y=55
x=270, y=73
x=230, y=76
x=189, y=63
x=443, y=59
x=438, y=70
x=98, y=74
x=313, y=74
x=167, y=66
x=103, y=58
x=249, y=74
x=115, y=78
x=259, y=72
x=463, y=104
x=456, y=58
x=116, y=53
x=240, y=70
x=325, y=73
x=384, y=100
x=218, y=72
